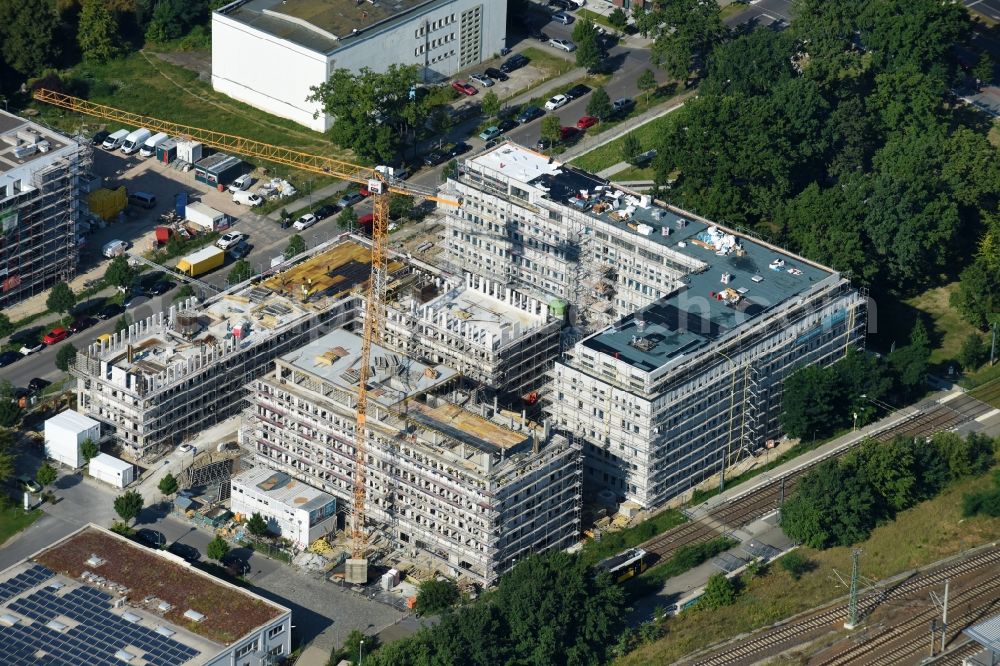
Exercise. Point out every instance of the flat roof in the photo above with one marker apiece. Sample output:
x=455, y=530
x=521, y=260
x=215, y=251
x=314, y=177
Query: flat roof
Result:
x=72, y=420
x=282, y=488
x=111, y=462
x=217, y=162
x=322, y=25
x=18, y=133
x=726, y=278
x=986, y=633
x=465, y=426
x=58, y=606
x=393, y=377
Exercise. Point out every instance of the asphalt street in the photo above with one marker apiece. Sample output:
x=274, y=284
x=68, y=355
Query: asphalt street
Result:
x=990, y=8
x=764, y=12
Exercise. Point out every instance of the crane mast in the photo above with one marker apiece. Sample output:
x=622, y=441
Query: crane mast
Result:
x=380, y=186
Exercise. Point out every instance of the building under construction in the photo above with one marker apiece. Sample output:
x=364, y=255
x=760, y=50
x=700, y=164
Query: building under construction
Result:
x=682, y=330
x=469, y=486
x=40, y=175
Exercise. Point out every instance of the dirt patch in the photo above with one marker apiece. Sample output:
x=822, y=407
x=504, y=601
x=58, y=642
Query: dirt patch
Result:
x=199, y=62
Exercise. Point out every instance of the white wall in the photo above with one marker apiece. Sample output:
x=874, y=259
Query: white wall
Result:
x=266, y=72
x=291, y=523
x=110, y=471
x=62, y=443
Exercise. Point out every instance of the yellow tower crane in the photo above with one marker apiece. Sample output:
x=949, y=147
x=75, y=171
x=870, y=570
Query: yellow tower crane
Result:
x=378, y=184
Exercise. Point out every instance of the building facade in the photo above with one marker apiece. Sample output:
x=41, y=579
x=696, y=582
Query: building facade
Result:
x=40, y=207
x=292, y=509
x=271, y=53
x=467, y=486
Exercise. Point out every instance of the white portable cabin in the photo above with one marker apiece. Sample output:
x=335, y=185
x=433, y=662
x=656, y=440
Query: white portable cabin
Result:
x=65, y=432
x=189, y=151
x=111, y=470
x=204, y=216
x=149, y=148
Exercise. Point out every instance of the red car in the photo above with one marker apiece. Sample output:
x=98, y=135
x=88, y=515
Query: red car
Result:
x=363, y=191
x=366, y=220
x=567, y=133
x=585, y=122
x=464, y=87
x=55, y=335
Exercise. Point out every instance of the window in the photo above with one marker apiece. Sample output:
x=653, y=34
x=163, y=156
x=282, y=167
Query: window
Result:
x=275, y=631
x=244, y=650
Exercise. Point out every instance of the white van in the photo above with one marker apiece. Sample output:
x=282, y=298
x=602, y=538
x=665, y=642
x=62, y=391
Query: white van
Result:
x=114, y=248
x=134, y=141
x=247, y=198
x=115, y=140
x=149, y=148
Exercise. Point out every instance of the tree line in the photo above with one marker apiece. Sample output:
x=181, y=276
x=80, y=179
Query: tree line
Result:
x=842, y=500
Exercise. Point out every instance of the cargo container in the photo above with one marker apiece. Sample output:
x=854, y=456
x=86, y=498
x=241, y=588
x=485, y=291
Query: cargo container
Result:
x=111, y=470
x=166, y=152
x=189, y=151
x=218, y=169
x=204, y=216
x=163, y=235
x=149, y=147
x=107, y=204
x=201, y=261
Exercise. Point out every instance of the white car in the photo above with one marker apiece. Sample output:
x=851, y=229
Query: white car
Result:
x=563, y=44
x=305, y=222
x=184, y=448
x=242, y=183
x=555, y=102
x=32, y=347
x=230, y=239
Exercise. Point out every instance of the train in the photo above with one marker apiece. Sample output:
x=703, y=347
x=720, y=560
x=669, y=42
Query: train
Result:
x=625, y=565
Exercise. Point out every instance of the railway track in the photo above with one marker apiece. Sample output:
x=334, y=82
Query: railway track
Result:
x=783, y=637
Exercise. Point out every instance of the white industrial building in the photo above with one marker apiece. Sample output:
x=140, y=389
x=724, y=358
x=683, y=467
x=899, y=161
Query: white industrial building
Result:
x=95, y=597
x=65, y=432
x=467, y=485
x=270, y=53
x=111, y=470
x=682, y=331
x=292, y=509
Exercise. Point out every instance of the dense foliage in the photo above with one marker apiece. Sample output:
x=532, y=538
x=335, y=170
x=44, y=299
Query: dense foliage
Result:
x=985, y=502
x=841, y=501
x=436, y=595
x=550, y=609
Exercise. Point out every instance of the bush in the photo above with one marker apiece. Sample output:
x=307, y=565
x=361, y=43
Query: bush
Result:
x=719, y=592
x=797, y=564
x=436, y=595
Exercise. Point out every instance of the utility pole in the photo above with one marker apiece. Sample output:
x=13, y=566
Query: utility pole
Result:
x=942, y=604
x=852, y=605
x=993, y=346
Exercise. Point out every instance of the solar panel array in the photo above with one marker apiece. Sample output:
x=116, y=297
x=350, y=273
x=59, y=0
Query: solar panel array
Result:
x=25, y=580
x=93, y=642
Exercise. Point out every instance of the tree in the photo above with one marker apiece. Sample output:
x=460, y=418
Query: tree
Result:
x=646, y=82
x=911, y=362
x=357, y=649
x=257, y=526
x=347, y=219
x=982, y=71
x=796, y=564
x=10, y=411
x=98, y=32
x=65, y=356
x=720, y=591
x=686, y=31
x=46, y=475
x=6, y=326
x=588, y=51
x=599, y=104
x=973, y=353
x=8, y=456
x=28, y=30
x=185, y=291
x=435, y=596
x=168, y=484
x=833, y=505
x=400, y=206
x=241, y=271
x=174, y=18
x=811, y=400
x=122, y=323
x=617, y=19
x=217, y=548
x=978, y=294
x=128, y=505
x=61, y=298
x=296, y=246
x=490, y=104
x=89, y=449
x=450, y=170
x=631, y=148
x=119, y=273
x=551, y=129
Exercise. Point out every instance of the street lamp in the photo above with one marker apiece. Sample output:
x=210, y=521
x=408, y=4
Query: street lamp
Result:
x=855, y=421
x=361, y=647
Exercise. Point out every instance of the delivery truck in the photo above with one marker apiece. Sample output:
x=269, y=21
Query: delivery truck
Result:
x=201, y=262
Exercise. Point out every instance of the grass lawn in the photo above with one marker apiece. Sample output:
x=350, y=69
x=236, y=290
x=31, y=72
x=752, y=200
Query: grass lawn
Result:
x=631, y=173
x=994, y=134
x=596, y=18
x=948, y=329
x=610, y=153
x=732, y=9
x=612, y=543
x=926, y=533
x=14, y=519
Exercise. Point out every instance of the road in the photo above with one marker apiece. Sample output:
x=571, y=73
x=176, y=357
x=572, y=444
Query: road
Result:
x=764, y=12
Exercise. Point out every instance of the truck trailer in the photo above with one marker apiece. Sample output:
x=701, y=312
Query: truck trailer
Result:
x=201, y=262
x=206, y=217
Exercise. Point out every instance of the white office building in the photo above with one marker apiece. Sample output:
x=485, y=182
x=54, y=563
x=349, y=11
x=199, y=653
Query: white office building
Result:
x=292, y=509
x=270, y=53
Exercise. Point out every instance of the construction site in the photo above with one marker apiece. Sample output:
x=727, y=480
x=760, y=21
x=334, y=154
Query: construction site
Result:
x=463, y=487
x=41, y=172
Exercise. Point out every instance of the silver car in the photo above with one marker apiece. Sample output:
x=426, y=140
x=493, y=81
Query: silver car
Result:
x=482, y=80
x=563, y=44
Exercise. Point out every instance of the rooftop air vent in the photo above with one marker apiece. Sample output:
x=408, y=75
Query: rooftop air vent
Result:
x=94, y=561
x=193, y=615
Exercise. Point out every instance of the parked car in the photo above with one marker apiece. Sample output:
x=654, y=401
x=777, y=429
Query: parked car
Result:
x=577, y=91
x=563, y=44
x=543, y=144
x=110, y=310
x=240, y=250
x=242, y=183
x=491, y=132
x=562, y=17
x=539, y=35
x=161, y=287
x=305, y=222
x=27, y=483
x=433, y=159
x=32, y=347
x=567, y=133
x=134, y=297
x=80, y=323
x=325, y=211
x=496, y=74
x=555, y=102
x=184, y=551
x=529, y=113
x=491, y=143
x=464, y=87
x=232, y=238
x=483, y=80
x=516, y=61
x=57, y=334
x=623, y=105
x=506, y=125
x=151, y=538
x=247, y=198
x=459, y=148
x=586, y=121
x=8, y=357
x=349, y=199
x=185, y=448
x=561, y=4
x=38, y=384
x=99, y=138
